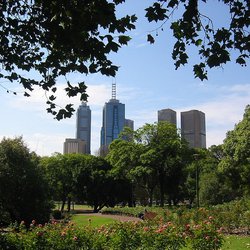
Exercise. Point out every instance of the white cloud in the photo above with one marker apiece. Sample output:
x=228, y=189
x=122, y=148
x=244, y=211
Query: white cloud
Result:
x=45, y=144
x=98, y=94
x=42, y=144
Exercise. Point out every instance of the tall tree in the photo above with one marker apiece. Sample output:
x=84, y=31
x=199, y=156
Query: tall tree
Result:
x=131, y=159
x=24, y=193
x=102, y=188
x=62, y=173
x=124, y=158
x=168, y=148
x=235, y=165
x=152, y=156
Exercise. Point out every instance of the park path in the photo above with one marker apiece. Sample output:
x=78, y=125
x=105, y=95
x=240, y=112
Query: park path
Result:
x=121, y=218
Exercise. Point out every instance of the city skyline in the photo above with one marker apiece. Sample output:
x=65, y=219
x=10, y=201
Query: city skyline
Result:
x=231, y=106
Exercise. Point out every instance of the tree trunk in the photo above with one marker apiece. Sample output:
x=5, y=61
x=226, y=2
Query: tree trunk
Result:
x=151, y=197
x=169, y=202
x=161, y=182
x=63, y=204
x=95, y=208
x=69, y=203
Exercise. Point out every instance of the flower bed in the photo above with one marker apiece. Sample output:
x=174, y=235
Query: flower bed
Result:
x=153, y=234
x=233, y=217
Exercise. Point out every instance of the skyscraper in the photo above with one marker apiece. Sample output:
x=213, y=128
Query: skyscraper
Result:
x=129, y=123
x=83, y=125
x=193, y=128
x=113, y=119
x=168, y=115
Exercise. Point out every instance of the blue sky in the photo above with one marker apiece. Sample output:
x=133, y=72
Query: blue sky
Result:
x=146, y=83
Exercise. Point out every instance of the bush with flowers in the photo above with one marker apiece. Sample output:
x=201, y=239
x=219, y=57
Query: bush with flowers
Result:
x=152, y=234
x=233, y=216
x=172, y=229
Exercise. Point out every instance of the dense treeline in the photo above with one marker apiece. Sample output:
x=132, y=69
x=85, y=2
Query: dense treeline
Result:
x=150, y=165
x=162, y=168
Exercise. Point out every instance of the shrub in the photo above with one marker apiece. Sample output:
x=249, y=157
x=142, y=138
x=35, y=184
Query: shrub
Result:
x=57, y=214
x=118, y=236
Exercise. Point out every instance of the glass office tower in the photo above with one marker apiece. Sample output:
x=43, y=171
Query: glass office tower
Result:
x=113, y=120
x=83, y=125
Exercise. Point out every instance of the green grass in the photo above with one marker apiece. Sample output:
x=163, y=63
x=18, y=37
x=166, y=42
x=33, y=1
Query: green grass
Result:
x=74, y=207
x=95, y=221
x=234, y=242
x=81, y=207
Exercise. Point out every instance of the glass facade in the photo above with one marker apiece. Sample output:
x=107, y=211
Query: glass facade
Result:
x=83, y=125
x=112, y=122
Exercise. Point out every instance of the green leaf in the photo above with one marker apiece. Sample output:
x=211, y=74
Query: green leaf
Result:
x=198, y=42
x=241, y=61
x=124, y=39
x=150, y=39
x=52, y=98
x=199, y=71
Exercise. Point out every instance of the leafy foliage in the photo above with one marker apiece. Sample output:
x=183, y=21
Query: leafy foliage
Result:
x=127, y=235
x=152, y=157
x=43, y=41
x=84, y=178
x=214, y=45
x=230, y=217
x=55, y=38
x=24, y=193
x=236, y=163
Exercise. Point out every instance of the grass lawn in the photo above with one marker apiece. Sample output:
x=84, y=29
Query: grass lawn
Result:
x=95, y=221
x=75, y=207
x=234, y=242
x=81, y=207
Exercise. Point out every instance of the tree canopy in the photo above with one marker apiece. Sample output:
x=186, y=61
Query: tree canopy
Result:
x=193, y=27
x=24, y=192
x=153, y=157
x=235, y=165
x=55, y=38
x=44, y=40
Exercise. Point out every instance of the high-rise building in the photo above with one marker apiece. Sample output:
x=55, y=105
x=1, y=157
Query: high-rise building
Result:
x=193, y=128
x=168, y=115
x=83, y=125
x=77, y=146
x=113, y=119
x=129, y=123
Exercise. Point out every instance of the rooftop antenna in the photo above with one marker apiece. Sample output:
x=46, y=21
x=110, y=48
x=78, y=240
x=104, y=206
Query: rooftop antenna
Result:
x=113, y=90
